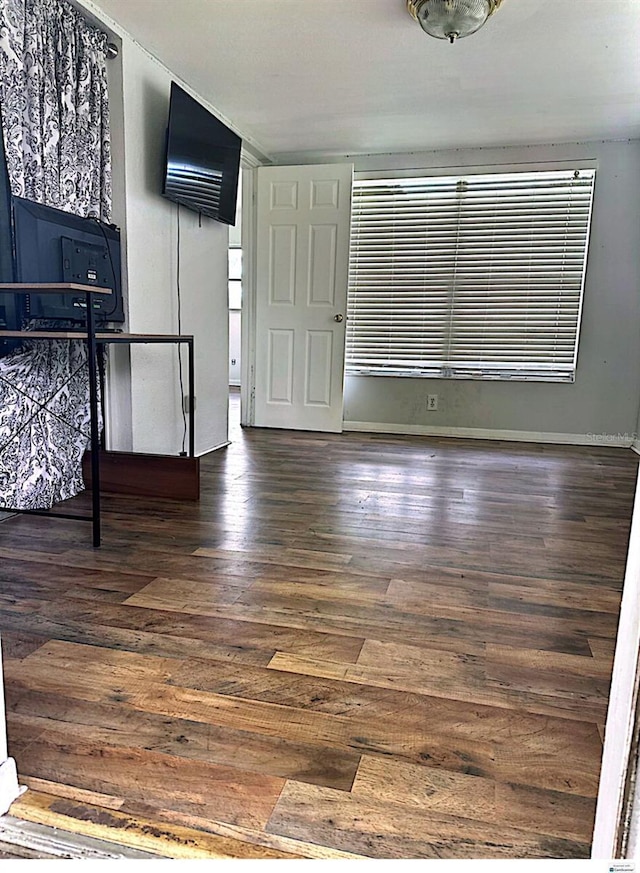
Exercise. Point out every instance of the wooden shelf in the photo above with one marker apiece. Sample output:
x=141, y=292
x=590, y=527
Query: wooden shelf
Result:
x=100, y=336
x=44, y=334
x=52, y=288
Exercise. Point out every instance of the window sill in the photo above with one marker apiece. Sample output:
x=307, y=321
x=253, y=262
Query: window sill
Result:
x=562, y=379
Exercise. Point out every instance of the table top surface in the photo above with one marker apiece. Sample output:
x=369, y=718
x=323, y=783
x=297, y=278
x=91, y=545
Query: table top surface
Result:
x=100, y=336
x=51, y=288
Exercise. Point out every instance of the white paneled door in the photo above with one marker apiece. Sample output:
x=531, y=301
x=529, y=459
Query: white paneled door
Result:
x=302, y=270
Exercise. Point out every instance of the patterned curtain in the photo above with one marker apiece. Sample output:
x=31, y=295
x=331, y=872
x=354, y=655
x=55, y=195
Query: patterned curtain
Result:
x=55, y=106
x=55, y=125
x=44, y=424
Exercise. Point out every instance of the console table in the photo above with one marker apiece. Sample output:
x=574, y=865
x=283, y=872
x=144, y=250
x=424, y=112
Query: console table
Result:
x=94, y=340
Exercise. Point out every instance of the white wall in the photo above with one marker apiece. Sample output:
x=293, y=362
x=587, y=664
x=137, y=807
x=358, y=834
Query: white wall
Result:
x=139, y=114
x=9, y=788
x=119, y=426
x=604, y=398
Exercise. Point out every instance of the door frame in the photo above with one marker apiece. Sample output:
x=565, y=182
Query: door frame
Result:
x=248, y=325
x=615, y=805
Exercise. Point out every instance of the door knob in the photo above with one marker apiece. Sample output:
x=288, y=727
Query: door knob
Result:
x=339, y=317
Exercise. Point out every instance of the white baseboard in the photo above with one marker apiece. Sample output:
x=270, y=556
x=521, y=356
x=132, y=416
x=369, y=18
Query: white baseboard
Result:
x=213, y=449
x=9, y=788
x=570, y=439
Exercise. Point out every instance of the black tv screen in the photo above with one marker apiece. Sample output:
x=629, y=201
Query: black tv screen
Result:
x=203, y=159
x=51, y=245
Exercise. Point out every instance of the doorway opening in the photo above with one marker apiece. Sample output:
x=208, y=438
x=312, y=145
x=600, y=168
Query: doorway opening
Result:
x=234, y=277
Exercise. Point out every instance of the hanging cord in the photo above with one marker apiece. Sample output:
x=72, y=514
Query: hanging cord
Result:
x=100, y=227
x=184, y=414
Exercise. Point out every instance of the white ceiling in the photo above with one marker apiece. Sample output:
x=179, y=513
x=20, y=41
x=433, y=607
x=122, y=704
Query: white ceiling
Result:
x=358, y=76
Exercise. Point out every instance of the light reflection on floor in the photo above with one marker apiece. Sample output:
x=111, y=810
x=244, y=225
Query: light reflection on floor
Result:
x=235, y=431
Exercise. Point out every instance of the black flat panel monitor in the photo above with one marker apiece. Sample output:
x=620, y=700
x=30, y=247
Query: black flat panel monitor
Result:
x=51, y=245
x=202, y=159
x=10, y=309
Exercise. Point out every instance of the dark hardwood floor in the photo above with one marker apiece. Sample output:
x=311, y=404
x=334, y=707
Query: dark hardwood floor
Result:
x=355, y=645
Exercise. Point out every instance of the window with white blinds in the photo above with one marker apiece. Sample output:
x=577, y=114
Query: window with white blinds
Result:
x=475, y=277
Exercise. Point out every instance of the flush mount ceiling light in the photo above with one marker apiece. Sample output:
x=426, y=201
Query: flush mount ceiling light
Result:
x=452, y=19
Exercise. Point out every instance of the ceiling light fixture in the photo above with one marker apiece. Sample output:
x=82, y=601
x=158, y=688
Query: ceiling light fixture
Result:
x=452, y=19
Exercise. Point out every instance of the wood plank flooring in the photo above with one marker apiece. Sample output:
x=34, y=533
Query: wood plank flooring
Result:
x=353, y=646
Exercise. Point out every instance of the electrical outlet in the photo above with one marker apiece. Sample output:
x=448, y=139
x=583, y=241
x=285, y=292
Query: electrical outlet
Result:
x=432, y=402
x=233, y=362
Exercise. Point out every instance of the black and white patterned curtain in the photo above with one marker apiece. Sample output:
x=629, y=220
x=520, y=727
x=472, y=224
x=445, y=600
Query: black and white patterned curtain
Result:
x=44, y=424
x=55, y=106
x=55, y=125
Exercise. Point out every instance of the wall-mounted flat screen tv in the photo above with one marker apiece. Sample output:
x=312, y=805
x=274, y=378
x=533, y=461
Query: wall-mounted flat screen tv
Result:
x=203, y=159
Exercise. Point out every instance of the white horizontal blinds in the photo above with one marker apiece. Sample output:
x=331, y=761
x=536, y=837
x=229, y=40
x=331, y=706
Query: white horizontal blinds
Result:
x=479, y=276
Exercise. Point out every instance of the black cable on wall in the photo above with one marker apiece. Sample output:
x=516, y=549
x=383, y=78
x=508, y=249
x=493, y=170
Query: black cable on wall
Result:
x=179, y=297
